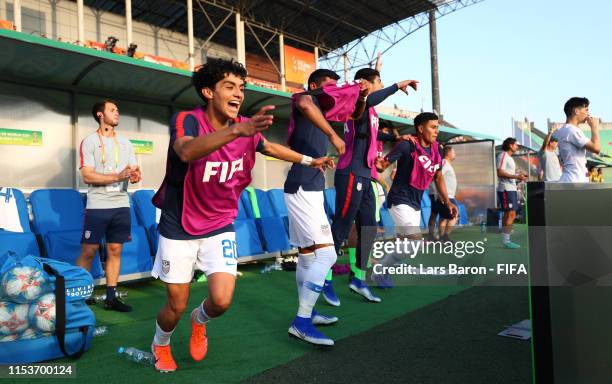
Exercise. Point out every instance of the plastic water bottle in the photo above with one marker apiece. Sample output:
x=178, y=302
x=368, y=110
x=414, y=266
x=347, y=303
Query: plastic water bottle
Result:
x=137, y=355
x=100, y=331
x=102, y=297
x=483, y=224
x=272, y=267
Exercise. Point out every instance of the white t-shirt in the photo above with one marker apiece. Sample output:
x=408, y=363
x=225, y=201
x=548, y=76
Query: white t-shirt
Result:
x=505, y=162
x=572, y=153
x=450, y=179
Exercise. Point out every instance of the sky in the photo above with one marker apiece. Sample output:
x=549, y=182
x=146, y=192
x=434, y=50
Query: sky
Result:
x=500, y=59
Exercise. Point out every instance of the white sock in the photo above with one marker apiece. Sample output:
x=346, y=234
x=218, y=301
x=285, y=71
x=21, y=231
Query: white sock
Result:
x=314, y=278
x=506, y=237
x=199, y=315
x=161, y=337
x=303, y=265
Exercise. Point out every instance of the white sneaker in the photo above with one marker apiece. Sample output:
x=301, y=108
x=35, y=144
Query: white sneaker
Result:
x=361, y=288
x=319, y=319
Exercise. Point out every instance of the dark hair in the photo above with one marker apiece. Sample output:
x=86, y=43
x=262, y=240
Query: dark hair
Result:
x=423, y=118
x=318, y=75
x=446, y=150
x=574, y=102
x=507, y=143
x=99, y=107
x=215, y=70
x=368, y=74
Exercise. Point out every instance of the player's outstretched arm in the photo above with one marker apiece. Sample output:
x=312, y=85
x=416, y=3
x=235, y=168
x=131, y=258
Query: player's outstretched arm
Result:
x=311, y=112
x=287, y=154
x=190, y=148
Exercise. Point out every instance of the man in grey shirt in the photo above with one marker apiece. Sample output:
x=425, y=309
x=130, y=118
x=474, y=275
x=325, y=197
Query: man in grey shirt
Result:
x=549, y=161
x=107, y=163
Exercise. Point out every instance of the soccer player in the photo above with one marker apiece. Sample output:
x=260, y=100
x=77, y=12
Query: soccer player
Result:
x=549, y=161
x=355, y=197
x=506, y=189
x=210, y=157
x=418, y=164
x=573, y=144
x=107, y=163
x=309, y=228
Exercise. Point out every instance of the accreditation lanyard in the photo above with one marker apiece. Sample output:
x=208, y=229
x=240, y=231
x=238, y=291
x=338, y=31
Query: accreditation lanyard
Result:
x=115, y=147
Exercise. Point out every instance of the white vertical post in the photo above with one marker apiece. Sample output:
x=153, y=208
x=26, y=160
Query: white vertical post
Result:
x=346, y=67
x=17, y=14
x=128, y=22
x=80, y=23
x=240, y=41
x=190, y=34
x=316, y=53
x=281, y=50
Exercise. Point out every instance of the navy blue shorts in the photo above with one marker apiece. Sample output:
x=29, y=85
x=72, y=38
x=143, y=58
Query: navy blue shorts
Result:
x=115, y=224
x=507, y=200
x=439, y=208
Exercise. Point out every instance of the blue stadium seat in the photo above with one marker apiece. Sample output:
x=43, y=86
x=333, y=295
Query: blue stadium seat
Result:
x=20, y=243
x=425, y=213
x=241, y=211
x=58, y=218
x=145, y=212
x=277, y=199
x=56, y=210
x=247, y=241
x=463, y=215
x=387, y=222
x=136, y=254
x=270, y=226
x=66, y=246
x=330, y=202
x=246, y=201
x=426, y=201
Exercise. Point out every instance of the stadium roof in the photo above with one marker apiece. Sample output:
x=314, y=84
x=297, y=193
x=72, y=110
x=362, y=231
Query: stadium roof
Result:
x=306, y=23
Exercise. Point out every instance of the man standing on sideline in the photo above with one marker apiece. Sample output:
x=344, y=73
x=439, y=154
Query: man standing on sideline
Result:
x=107, y=162
x=211, y=154
x=549, y=161
x=507, y=195
x=309, y=228
x=447, y=220
x=573, y=144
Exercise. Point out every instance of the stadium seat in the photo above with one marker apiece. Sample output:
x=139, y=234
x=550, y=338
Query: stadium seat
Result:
x=277, y=199
x=247, y=241
x=426, y=201
x=241, y=211
x=463, y=215
x=56, y=210
x=20, y=243
x=136, y=254
x=246, y=201
x=330, y=202
x=66, y=246
x=387, y=222
x=145, y=212
x=58, y=219
x=271, y=227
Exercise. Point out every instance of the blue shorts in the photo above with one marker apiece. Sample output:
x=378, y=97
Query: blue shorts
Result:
x=507, y=200
x=114, y=224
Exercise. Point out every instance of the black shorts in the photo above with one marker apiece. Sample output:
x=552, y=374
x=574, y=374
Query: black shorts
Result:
x=437, y=207
x=114, y=224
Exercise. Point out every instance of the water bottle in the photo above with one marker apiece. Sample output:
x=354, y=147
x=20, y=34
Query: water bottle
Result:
x=100, y=331
x=137, y=355
x=102, y=297
x=272, y=267
x=483, y=224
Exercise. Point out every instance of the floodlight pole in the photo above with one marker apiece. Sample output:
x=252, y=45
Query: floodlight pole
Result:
x=80, y=23
x=128, y=22
x=240, y=42
x=281, y=51
x=433, y=46
x=190, y=34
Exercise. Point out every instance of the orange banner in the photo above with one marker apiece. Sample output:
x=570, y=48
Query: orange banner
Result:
x=298, y=65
